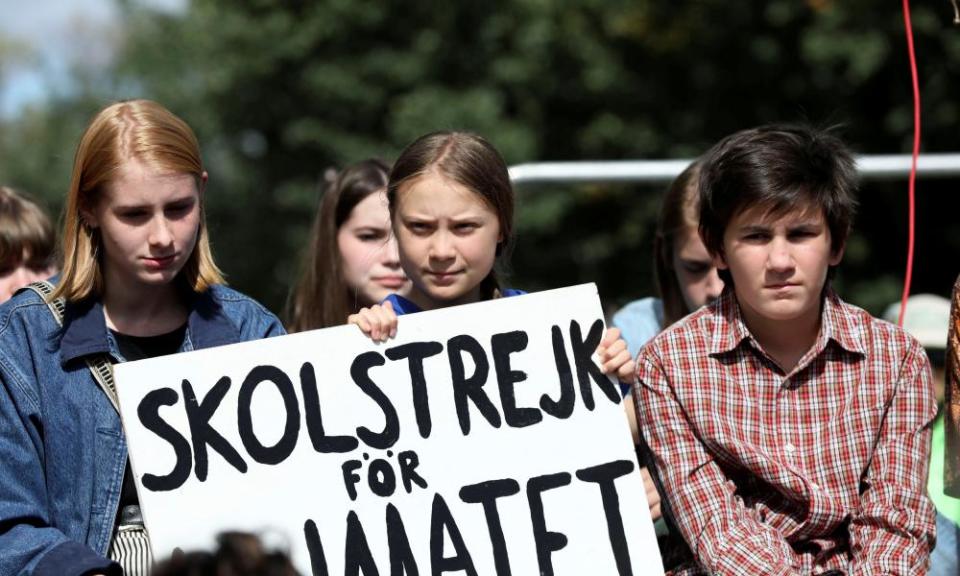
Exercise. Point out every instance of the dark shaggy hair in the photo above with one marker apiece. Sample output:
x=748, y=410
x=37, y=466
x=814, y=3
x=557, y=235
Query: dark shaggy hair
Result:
x=778, y=168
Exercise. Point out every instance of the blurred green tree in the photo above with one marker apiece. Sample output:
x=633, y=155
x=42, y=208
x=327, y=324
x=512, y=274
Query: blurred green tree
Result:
x=280, y=91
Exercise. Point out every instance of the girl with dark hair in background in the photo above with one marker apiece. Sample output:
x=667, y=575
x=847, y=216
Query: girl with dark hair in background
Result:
x=686, y=276
x=352, y=258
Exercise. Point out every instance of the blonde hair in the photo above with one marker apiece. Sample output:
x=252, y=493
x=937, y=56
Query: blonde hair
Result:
x=134, y=130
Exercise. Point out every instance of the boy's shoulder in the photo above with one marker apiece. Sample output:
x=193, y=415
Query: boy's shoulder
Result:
x=859, y=331
x=691, y=335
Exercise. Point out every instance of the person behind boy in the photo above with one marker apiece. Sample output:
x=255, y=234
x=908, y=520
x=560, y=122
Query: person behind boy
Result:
x=951, y=476
x=26, y=243
x=791, y=430
x=926, y=320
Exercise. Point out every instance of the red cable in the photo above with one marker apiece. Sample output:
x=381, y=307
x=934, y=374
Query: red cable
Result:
x=913, y=163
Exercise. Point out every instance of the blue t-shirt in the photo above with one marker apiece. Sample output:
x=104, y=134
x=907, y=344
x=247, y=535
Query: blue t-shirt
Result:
x=403, y=306
x=638, y=321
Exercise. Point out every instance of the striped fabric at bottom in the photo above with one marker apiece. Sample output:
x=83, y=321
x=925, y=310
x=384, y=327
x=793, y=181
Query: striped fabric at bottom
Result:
x=131, y=550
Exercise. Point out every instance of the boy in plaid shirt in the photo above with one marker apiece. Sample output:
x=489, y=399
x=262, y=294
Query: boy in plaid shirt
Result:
x=790, y=430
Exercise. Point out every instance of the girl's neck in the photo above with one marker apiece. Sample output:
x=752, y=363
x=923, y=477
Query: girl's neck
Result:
x=143, y=310
x=425, y=302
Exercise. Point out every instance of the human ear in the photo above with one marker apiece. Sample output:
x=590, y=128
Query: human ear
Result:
x=202, y=184
x=719, y=261
x=837, y=255
x=501, y=239
x=88, y=217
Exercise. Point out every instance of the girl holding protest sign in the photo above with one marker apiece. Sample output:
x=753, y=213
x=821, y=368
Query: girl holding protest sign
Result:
x=451, y=205
x=138, y=281
x=352, y=259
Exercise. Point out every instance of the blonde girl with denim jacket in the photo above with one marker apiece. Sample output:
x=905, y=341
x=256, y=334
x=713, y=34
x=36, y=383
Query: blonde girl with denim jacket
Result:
x=137, y=269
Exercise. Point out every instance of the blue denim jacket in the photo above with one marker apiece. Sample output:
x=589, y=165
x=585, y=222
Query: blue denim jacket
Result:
x=62, y=450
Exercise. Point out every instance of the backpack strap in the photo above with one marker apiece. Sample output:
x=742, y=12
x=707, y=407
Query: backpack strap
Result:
x=99, y=366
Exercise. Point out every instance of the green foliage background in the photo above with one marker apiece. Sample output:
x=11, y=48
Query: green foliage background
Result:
x=280, y=91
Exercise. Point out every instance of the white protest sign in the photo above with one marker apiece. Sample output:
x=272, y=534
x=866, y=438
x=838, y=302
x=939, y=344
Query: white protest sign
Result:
x=481, y=440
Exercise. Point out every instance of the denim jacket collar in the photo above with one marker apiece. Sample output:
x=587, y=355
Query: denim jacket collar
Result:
x=85, y=328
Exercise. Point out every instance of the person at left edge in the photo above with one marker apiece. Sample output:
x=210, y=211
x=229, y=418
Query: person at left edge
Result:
x=138, y=280
x=27, y=242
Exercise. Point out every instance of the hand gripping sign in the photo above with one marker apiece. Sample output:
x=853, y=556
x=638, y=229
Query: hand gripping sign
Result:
x=483, y=439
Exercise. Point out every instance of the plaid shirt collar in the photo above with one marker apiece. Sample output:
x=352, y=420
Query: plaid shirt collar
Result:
x=834, y=326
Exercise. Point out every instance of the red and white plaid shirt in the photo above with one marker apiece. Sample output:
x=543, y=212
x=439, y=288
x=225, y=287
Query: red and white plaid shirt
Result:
x=822, y=468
